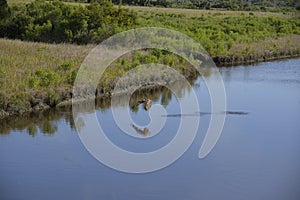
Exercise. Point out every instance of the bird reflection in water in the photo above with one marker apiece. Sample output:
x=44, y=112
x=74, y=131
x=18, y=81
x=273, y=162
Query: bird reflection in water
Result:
x=144, y=132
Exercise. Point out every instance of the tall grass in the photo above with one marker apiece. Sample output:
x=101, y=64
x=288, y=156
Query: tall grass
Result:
x=283, y=46
x=28, y=68
x=20, y=62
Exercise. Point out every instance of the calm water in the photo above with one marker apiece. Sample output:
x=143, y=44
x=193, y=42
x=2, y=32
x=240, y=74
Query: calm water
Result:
x=256, y=157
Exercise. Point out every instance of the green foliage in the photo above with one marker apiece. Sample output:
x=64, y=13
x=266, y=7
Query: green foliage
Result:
x=43, y=78
x=4, y=10
x=72, y=77
x=219, y=34
x=34, y=82
x=67, y=65
x=59, y=22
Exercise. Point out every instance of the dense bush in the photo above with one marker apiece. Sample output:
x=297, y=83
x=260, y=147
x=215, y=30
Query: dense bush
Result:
x=4, y=10
x=218, y=33
x=43, y=78
x=58, y=22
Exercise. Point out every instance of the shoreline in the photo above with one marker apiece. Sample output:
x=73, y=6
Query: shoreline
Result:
x=229, y=61
x=41, y=104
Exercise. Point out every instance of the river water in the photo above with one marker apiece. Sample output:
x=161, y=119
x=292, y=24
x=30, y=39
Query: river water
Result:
x=256, y=157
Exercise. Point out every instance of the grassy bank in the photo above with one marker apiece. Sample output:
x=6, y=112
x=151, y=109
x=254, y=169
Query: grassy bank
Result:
x=36, y=76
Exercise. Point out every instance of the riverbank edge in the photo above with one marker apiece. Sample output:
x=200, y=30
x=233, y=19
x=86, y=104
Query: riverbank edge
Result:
x=227, y=61
x=65, y=99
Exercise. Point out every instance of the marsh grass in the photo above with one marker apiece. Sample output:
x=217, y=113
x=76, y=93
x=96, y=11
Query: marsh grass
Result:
x=37, y=70
x=283, y=46
x=26, y=66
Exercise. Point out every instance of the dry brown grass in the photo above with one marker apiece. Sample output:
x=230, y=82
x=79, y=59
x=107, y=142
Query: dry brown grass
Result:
x=11, y=2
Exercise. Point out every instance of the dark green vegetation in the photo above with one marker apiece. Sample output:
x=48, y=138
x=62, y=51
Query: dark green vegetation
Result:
x=57, y=22
x=219, y=34
x=253, y=5
x=4, y=10
x=38, y=75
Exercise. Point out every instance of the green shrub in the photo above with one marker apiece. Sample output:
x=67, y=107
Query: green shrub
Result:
x=4, y=10
x=72, y=77
x=43, y=78
x=55, y=21
x=34, y=82
x=67, y=65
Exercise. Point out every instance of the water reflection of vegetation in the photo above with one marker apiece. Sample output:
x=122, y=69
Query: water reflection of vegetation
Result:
x=46, y=121
x=153, y=92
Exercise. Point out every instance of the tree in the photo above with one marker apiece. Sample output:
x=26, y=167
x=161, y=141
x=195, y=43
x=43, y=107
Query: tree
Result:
x=4, y=9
